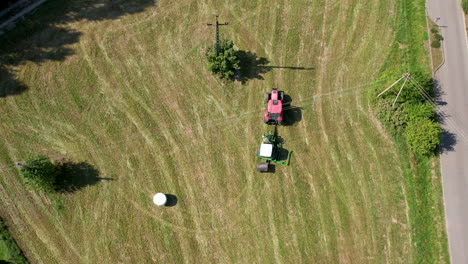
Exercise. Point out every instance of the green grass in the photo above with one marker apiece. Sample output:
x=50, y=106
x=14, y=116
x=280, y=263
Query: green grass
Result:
x=9, y=250
x=125, y=89
x=436, y=53
x=422, y=174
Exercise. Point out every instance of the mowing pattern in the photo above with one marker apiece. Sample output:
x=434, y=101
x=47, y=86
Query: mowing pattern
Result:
x=136, y=102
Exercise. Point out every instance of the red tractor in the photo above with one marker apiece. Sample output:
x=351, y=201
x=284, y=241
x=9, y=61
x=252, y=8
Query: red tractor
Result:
x=274, y=110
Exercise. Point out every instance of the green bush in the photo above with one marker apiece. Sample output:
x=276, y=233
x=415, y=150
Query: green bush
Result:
x=13, y=254
x=465, y=6
x=434, y=30
x=391, y=115
x=413, y=94
x=226, y=62
x=423, y=136
x=417, y=112
x=435, y=44
x=438, y=37
x=39, y=173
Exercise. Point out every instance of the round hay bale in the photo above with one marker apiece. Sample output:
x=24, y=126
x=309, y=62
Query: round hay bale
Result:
x=160, y=199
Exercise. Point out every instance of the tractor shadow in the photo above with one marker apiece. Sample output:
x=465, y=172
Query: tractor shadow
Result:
x=44, y=35
x=292, y=114
x=171, y=200
x=271, y=168
x=77, y=175
x=253, y=67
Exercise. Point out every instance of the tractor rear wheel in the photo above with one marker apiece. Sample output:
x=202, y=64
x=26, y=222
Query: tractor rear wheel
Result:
x=263, y=167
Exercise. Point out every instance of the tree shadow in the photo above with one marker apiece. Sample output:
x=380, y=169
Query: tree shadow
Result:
x=438, y=93
x=171, y=200
x=448, y=140
x=253, y=67
x=9, y=85
x=77, y=175
x=44, y=35
x=291, y=114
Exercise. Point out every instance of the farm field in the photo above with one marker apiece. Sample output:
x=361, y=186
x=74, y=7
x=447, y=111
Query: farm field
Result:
x=121, y=87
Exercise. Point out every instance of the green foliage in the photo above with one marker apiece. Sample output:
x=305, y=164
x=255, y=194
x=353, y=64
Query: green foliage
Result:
x=435, y=44
x=39, y=173
x=465, y=6
x=392, y=116
x=423, y=189
x=417, y=112
x=226, y=62
x=414, y=93
x=423, y=136
x=438, y=37
x=9, y=250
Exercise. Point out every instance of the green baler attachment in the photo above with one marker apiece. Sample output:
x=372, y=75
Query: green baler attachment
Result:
x=284, y=162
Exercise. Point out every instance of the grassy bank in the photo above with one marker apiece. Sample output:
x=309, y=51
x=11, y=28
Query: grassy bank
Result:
x=421, y=173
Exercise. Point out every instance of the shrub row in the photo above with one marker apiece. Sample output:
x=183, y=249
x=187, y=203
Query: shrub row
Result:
x=413, y=116
x=437, y=38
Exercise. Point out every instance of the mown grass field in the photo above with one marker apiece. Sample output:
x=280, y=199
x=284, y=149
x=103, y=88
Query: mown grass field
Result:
x=123, y=88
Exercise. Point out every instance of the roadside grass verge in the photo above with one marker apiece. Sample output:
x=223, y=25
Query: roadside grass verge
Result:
x=421, y=173
x=436, y=53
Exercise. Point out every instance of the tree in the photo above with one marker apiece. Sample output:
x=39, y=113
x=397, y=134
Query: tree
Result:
x=435, y=44
x=423, y=136
x=39, y=173
x=415, y=112
x=225, y=63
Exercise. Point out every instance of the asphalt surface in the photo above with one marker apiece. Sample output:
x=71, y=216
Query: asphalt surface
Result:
x=453, y=85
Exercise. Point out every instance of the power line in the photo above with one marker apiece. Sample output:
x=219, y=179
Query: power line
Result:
x=219, y=121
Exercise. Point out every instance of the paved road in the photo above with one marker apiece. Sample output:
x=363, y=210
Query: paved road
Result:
x=453, y=78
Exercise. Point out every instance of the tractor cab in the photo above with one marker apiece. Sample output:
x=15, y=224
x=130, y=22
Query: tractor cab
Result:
x=274, y=107
x=267, y=147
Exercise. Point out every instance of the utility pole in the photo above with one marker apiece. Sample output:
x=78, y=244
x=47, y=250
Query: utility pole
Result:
x=217, y=32
x=405, y=76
